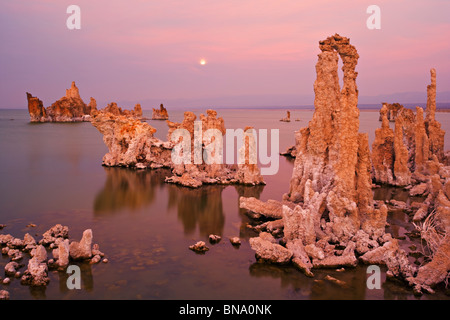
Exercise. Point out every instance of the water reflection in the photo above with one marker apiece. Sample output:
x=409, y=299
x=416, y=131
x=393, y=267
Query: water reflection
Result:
x=355, y=288
x=128, y=189
x=87, y=279
x=202, y=207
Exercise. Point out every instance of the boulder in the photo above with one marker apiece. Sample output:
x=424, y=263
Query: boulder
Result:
x=83, y=249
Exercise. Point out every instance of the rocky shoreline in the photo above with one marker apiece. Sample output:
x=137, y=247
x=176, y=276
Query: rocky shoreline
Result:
x=56, y=243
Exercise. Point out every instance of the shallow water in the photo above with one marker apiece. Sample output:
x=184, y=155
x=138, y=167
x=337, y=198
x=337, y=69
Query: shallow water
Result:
x=52, y=173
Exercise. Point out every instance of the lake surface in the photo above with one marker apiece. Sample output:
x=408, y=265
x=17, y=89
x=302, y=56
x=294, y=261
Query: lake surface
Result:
x=52, y=173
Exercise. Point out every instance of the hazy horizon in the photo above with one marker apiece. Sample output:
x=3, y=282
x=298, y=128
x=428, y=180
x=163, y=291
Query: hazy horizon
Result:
x=262, y=52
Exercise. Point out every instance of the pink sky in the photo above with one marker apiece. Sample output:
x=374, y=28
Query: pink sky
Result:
x=143, y=49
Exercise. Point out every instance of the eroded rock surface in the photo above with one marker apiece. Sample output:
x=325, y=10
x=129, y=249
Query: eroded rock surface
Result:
x=204, y=163
x=416, y=147
x=38, y=265
x=130, y=141
x=332, y=220
x=70, y=108
x=194, y=159
x=160, y=114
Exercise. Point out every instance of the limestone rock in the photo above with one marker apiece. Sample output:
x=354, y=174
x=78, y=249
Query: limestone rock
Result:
x=4, y=295
x=69, y=108
x=114, y=109
x=213, y=238
x=401, y=171
x=331, y=260
x=83, y=249
x=433, y=127
x=327, y=152
x=130, y=142
x=268, y=251
x=36, y=274
x=51, y=235
x=36, y=109
x=299, y=224
x=383, y=151
x=160, y=114
x=290, y=152
x=422, y=148
x=392, y=111
x=235, y=241
x=300, y=258
x=63, y=254
x=199, y=247
x=11, y=268
x=40, y=254
x=288, y=117
x=314, y=252
x=248, y=172
x=271, y=209
x=197, y=170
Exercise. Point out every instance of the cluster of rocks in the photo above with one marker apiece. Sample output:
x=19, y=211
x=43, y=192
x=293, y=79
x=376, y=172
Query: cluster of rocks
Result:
x=71, y=108
x=112, y=108
x=329, y=218
x=415, y=147
x=288, y=117
x=55, y=240
x=160, y=114
x=131, y=144
x=392, y=111
x=200, y=246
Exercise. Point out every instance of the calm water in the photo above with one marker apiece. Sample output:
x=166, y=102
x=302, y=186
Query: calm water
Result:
x=52, y=173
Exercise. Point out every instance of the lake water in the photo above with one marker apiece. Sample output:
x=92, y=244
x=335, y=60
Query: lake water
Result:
x=51, y=173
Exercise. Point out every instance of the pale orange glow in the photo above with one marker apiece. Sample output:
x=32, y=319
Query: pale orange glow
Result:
x=202, y=62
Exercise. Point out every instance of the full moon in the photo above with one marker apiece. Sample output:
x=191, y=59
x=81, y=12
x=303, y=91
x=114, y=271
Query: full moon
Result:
x=202, y=62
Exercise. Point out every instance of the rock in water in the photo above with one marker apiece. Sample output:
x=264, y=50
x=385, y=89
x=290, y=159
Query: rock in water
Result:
x=130, y=141
x=36, y=109
x=433, y=127
x=83, y=249
x=4, y=295
x=63, y=254
x=160, y=114
x=69, y=108
x=267, y=251
x=329, y=150
x=37, y=272
x=416, y=146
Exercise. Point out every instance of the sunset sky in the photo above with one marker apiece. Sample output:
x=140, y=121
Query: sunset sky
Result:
x=151, y=49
